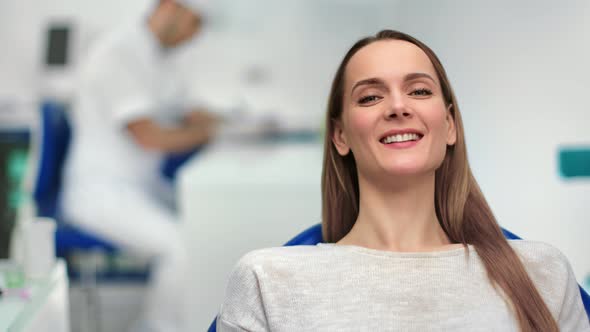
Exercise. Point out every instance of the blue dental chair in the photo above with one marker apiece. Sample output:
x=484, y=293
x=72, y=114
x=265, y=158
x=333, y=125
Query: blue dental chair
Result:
x=55, y=135
x=76, y=246
x=54, y=139
x=81, y=250
x=313, y=236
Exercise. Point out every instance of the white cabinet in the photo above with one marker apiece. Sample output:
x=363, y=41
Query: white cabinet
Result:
x=238, y=197
x=45, y=308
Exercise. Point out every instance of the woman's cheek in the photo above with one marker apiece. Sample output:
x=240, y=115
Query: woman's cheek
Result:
x=362, y=121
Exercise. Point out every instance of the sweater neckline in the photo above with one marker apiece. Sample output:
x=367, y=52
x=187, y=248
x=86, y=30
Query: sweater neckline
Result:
x=398, y=254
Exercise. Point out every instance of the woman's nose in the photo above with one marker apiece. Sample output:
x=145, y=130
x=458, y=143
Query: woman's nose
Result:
x=398, y=109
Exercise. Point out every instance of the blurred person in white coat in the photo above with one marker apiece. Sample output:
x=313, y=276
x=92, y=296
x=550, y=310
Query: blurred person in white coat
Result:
x=127, y=116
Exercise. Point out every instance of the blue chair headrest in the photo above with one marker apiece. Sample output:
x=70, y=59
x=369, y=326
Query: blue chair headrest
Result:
x=54, y=141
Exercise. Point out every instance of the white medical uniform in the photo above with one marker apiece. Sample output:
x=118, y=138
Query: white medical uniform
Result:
x=112, y=185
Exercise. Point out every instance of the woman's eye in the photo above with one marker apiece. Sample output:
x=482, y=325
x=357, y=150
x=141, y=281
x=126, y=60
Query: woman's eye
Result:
x=421, y=92
x=368, y=99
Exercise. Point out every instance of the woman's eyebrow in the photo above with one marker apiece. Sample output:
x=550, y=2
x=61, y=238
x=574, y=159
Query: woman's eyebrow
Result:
x=413, y=76
x=368, y=81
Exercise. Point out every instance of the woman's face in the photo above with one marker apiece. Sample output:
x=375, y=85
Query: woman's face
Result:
x=394, y=118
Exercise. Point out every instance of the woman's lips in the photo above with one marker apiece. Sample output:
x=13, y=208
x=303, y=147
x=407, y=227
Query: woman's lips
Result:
x=402, y=145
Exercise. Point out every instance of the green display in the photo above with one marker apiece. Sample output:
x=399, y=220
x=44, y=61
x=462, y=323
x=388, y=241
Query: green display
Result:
x=14, y=150
x=574, y=161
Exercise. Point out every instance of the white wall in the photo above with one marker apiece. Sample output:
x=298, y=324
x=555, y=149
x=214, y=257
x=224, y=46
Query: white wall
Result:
x=22, y=33
x=520, y=71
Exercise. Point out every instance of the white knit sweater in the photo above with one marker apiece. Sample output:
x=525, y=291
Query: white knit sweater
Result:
x=349, y=288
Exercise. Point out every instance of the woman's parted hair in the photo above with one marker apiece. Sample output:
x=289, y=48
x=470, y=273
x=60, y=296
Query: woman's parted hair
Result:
x=460, y=206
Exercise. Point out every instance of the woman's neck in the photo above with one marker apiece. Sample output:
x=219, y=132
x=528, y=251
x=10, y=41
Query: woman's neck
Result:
x=397, y=218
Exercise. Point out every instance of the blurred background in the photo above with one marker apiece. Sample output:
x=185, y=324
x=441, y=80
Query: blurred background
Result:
x=520, y=72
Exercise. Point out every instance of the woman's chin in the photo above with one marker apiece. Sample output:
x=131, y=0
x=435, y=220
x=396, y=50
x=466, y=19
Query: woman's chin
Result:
x=405, y=170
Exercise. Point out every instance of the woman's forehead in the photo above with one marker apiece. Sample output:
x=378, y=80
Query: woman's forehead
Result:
x=389, y=60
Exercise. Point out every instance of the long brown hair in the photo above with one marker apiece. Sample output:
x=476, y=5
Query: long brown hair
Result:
x=461, y=208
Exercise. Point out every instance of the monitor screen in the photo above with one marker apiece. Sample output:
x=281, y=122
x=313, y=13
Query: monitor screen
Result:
x=14, y=151
x=57, y=45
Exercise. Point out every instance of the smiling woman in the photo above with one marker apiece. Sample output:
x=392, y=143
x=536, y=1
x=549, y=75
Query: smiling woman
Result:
x=405, y=222
x=395, y=97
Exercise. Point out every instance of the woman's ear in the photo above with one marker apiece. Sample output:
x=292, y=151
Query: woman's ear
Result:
x=451, y=128
x=339, y=139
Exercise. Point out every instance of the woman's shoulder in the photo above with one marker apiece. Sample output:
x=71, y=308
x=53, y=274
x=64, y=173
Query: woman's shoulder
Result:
x=543, y=261
x=249, y=282
x=291, y=257
x=537, y=252
x=554, y=277
x=549, y=269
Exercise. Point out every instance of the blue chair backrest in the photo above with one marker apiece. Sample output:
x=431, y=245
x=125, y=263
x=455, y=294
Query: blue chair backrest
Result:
x=53, y=146
x=54, y=142
x=313, y=236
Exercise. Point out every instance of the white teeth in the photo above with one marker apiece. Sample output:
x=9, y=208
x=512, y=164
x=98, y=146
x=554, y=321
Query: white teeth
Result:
x=401, y=138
